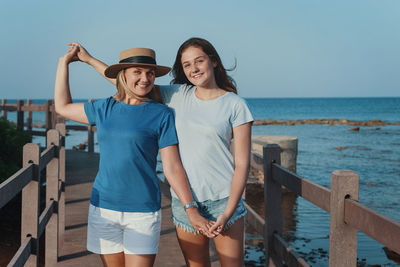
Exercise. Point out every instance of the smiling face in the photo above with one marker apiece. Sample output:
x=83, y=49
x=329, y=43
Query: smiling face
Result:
x=140, y=80
x=198, y=67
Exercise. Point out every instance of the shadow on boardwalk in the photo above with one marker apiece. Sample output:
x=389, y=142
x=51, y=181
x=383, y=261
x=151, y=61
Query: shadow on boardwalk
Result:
x=81, y=169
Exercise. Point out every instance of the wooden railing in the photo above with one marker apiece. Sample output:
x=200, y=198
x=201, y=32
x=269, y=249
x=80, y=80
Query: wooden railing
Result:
x=28, y=180
x=51, y=118
x=347, y=215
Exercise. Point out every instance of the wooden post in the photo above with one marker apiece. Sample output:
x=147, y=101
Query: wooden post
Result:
x=48, y=114
x=29, y=117
x=61, y=199
x=272, y=202
x=343, y=238
x=52, y=170
x=31, y=203
x=90, y=135
x=90, y=139
x=20, y=115
x=53, y=115
x=4, y=112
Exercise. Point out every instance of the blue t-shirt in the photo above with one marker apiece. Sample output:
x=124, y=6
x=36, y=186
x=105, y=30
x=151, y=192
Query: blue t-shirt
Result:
x=129, y=138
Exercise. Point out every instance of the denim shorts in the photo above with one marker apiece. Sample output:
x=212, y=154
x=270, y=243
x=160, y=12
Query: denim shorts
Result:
x=209, y=209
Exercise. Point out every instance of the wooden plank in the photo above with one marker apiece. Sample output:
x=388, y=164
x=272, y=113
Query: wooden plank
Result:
x=22, y=254
x=342, y=237
x=381, y=228
x=46, y=156
x=39, y=125
x=285, y=252
x=13, y=185
x=81, y=128
x=34, y=107
x=314, y=193
x=38, y=133
x=45, y=216
x=77, y=127
x=286, y=178
x=10, y=107
x=7, y=107
x=255, y=220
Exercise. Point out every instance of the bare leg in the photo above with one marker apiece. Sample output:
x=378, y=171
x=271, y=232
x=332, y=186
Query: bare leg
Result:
x=136, y=260
x=113, y=260
x=194, y=247
x=229, y=245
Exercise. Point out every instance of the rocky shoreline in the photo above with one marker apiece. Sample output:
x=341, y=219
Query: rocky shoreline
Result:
x=371, y=123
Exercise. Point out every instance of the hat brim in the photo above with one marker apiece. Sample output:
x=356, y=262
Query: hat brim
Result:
x=113, y=70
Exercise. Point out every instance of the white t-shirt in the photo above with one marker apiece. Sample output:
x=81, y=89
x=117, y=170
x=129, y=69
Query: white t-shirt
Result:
x=204, y=130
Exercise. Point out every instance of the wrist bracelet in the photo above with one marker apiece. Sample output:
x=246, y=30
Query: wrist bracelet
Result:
x=190, y=204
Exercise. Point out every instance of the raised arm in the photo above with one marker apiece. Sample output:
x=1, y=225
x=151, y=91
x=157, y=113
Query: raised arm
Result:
x=84, y=56
x=62, y=95
x=241, y=142
x=176, y=176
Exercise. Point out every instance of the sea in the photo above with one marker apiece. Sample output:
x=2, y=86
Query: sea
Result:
x=372, y=152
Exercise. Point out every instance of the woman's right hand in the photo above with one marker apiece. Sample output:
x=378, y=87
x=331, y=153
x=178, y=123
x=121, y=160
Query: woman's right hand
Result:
x=70, y=55
x=82, y=54
x=200, y=223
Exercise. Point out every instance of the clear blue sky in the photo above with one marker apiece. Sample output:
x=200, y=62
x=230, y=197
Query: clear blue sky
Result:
x=307, y=48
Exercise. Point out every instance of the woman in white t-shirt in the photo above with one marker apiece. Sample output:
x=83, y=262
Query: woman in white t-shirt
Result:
x=208, y=114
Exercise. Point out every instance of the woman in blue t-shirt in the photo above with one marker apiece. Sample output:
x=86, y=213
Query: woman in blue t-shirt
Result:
x=124, y=215
x=208, y=114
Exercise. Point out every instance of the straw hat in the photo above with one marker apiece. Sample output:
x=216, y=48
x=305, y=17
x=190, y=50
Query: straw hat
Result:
x=136, y=57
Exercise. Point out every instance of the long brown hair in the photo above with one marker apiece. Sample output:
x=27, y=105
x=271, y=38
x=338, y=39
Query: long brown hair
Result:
x=223, y=80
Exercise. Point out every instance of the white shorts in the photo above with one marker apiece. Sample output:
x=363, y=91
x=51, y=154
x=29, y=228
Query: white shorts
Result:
x=111, y=231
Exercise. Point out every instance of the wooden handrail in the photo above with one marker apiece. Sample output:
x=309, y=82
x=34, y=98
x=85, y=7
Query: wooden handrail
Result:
x=28, y=180
x=285, y=252
x=347, y=215
x=314, y=193
x=22, y=254
x=13, y=185
x=46, y=156
x=381, y=228
x=45, y=216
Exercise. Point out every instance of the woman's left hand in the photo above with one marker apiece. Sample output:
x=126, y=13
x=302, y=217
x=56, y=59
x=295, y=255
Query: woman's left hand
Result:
x=219, y=224
x=200, y=223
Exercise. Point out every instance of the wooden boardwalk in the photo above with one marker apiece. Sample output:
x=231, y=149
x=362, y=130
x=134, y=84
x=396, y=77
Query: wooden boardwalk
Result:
x=81, y=168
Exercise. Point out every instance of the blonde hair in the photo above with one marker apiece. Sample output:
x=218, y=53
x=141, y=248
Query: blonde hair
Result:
x=123, y=90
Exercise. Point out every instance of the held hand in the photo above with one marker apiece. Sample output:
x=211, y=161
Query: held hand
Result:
x=70, y=55
x=199, y=222
x=219, y=224
x=82, y=54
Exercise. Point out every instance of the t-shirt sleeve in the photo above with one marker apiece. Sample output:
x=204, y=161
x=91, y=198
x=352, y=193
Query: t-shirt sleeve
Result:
x=168, y=91
x=167, y=136
x=241, y=113
x=92, y=110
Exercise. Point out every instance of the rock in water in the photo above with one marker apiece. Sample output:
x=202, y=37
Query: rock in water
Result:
x=82, y=146
x=356, y=129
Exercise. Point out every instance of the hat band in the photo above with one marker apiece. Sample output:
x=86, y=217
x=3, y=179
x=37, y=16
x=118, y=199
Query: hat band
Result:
x=139, y=59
